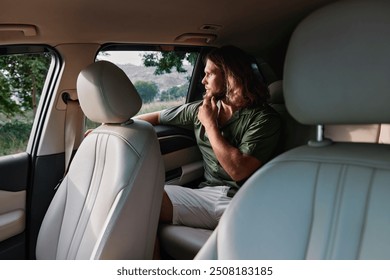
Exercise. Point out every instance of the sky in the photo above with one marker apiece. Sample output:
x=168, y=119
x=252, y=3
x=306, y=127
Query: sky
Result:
x=122, y=57
x=126, y=57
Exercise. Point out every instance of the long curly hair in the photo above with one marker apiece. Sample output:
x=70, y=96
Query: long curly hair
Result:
x=235, y=63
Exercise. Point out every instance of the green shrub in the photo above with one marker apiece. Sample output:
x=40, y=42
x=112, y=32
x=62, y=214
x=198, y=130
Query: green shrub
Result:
x=14, y=137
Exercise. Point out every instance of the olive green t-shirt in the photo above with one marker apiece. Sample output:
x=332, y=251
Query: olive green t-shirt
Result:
x=254, y=132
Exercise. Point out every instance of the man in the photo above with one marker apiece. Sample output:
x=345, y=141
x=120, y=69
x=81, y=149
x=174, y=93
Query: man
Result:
x=236, y=131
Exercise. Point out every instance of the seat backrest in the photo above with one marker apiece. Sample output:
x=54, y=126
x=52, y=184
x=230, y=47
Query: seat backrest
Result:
x=324, y=200
x=294, y=134
x=384, y=135
x=369, y=133
x=108, y=204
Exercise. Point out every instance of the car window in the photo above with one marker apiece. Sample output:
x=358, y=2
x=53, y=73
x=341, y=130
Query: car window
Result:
x=162, y=78
x=22, y=77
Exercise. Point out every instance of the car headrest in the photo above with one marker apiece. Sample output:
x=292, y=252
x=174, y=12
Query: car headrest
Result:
x=276, y=92
x=337, y=68
x=106, y=94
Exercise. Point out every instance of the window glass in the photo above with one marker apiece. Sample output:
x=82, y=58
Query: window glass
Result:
x=162, y=78
x=22, y=77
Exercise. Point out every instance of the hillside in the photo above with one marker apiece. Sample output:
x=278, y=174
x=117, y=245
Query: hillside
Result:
x=164, y=82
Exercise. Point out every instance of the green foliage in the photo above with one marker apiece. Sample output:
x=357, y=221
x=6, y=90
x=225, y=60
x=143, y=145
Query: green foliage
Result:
x=165, y=61
x=147, y=90
x=14, y=137
x=7, y=106
x=174, y=93
x=21, y=81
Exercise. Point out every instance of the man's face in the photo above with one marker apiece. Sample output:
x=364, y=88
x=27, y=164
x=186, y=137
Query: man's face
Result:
x=213, y=80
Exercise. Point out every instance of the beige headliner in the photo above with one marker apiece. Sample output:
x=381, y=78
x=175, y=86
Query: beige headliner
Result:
x=251, y=24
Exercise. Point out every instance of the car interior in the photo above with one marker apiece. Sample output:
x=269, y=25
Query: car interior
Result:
x=87, y=181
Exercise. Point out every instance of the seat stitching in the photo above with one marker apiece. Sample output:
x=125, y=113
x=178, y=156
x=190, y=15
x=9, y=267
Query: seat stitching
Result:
x=94, y=168
x=126, y=190
x=313, y=209
x=366, y=207
x=336, y=160
x=90, y=198
x=335, y=218
x=63, y=216
x=113, y=133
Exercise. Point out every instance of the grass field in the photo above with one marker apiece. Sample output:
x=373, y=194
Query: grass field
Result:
x=159, y=105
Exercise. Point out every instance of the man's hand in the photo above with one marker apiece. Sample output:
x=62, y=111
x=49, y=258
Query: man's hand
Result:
x=238, y=165
x=208, y=113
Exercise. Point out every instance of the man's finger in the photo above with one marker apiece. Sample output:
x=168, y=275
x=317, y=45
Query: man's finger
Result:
x=213, y=103
x=206, y=101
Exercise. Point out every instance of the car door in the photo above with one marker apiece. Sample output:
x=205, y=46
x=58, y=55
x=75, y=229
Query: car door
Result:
x=25, y=72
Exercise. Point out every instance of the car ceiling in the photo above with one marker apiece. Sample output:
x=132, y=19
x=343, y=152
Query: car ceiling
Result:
x=258, y=26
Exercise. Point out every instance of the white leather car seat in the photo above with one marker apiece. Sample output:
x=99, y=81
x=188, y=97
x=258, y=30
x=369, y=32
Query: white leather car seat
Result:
x=294, y=133
x=108, y=204
x=370, y=133
x=325, y=200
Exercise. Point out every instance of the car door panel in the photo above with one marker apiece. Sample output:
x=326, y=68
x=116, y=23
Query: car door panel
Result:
x=183, y=166
x=20, y=182
x=14, y=170
x=181, y=155
x=47, y=173
x=12, y=213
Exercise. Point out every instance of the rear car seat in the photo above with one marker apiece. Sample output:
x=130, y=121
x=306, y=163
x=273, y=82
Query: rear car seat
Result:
x=182, y=242
x=294, y=133
x=384, y=136
x=369, y=133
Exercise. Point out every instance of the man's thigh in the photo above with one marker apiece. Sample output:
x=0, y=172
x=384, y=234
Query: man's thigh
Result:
x=198, y=207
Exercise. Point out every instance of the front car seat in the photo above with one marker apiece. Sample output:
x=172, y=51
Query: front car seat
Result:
x=324, y=200
x=108, y=204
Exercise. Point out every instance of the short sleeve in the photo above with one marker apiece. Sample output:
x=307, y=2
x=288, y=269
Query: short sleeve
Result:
x=183, y=115
x=261, y=138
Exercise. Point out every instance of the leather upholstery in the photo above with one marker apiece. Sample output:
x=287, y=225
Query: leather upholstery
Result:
x=370, y=133
x=325, y=201
x=182, y=242
x=333, y=66
x=97, y=92
x=276, y=92
x=294, y=133
x=108, y=204
x=328, y=204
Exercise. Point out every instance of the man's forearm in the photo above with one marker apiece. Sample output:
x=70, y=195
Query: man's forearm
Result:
x=153, y=118
x=238, y=165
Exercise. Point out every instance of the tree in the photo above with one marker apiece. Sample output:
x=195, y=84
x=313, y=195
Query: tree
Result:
x=147, y=90
x=174, y=93
x=7, y=106
x=165, y=61
x=21, y=81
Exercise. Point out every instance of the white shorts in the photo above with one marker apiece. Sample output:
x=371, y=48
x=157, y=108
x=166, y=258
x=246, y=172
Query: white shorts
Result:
x=201, y=208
